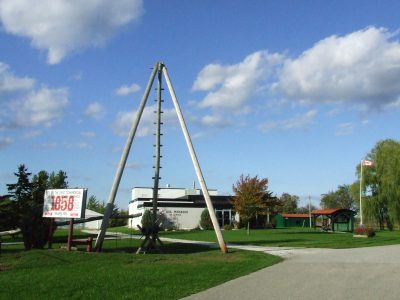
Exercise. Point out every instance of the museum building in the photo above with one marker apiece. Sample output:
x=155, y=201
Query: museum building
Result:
x=180, y=208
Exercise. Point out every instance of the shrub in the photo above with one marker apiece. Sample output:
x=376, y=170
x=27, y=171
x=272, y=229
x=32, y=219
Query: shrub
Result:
x=228, y=227
x=368, y=231
x=147, y=219
x=205, y=220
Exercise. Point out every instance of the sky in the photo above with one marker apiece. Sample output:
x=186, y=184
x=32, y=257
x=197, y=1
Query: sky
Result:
x=294, y=91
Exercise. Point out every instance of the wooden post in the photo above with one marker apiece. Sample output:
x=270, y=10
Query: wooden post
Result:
x=50, y=243
x=70, y=233
x=122, y=163
x=196, y=164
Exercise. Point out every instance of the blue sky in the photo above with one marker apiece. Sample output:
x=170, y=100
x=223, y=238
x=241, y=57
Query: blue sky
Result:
x=295, y=91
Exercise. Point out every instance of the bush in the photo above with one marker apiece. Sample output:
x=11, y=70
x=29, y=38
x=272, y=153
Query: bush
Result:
x=228, y=227
x=205, y=220
x=369, y=232
x=147, y=219
x=35, y=228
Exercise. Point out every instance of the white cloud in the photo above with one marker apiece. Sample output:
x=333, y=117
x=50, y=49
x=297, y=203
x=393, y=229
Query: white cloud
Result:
x=22, y=104
x=11, y=83
x=88, y=134
x=41, y=107
x=215, y=121
x=5, y=141
x=344, y=129
x=54, y=145
x=361, y=67
x=394, y=104
x=79, y=145
x=95, y=110
x=134, y=166
x=78, y=76
x=65, y=26
x=32, y=134
x=127, y=89
x=333, y=112
x=47, y=145
x=298, y=122
x=231, y=86
x=124, y=121
x=198, y=135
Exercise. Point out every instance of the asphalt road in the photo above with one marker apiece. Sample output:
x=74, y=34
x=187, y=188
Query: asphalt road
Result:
x=363, y=273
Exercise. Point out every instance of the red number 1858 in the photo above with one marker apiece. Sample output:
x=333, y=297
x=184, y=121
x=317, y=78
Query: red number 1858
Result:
x=62, y=202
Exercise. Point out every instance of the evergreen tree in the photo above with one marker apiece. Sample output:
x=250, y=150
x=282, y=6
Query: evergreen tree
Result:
x=58, y=181
x=28, y=198
x=205, y=220
x=8, y=214
x=93, y=204
x=21, y=191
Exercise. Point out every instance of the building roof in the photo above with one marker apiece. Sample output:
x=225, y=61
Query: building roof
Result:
x=92, y=213
x=295, y=215
x=219, y=202
x=330, y=211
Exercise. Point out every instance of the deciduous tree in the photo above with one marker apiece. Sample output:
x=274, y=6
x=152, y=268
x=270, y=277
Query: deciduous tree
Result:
x=252, y=198
x=288, y=203
x=341, y=198
x=382, y=204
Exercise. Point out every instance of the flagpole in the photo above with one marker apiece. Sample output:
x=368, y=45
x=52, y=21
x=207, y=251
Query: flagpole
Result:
x=361, y=177
x=309, y=208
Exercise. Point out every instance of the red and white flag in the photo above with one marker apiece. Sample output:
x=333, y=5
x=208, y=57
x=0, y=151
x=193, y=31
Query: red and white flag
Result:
x=367, y=163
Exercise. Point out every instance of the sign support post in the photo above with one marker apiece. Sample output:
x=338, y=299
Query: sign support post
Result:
x=70, y=233
x=50, y=243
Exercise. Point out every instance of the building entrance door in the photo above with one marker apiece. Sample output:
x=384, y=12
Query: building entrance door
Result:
x=224, y=217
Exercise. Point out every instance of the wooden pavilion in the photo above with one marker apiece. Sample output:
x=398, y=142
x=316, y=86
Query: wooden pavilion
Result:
x=334, y=219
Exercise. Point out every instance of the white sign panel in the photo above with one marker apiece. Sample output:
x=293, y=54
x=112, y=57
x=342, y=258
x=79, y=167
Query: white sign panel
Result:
x=64, y=203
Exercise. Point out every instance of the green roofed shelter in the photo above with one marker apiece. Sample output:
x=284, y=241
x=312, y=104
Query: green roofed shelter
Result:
x=334, y=219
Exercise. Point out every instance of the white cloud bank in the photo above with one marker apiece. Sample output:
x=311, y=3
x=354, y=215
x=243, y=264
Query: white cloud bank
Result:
x=65, y=26
x=361, y=67
x=360, y=70
x=231, y=86
x=42, y=107
x=22, y=104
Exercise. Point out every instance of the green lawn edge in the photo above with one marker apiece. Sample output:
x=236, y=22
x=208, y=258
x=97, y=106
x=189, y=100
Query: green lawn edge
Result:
x=118, y=273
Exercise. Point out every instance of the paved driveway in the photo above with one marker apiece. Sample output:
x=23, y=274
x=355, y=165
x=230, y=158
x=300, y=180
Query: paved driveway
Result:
x=363, y=273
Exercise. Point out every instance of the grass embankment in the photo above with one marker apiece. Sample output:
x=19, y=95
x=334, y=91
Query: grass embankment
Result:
x=118, y=273
x=296, y=237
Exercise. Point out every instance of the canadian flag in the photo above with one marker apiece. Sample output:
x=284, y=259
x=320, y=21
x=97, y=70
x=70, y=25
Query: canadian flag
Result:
x=367, y=163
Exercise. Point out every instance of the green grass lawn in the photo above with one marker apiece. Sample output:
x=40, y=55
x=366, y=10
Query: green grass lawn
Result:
x=295, y=237
x=118, y=273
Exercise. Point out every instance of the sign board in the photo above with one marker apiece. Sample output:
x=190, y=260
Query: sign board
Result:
x=65, y=203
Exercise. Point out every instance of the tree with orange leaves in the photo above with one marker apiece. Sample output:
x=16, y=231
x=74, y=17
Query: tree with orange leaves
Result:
x=251, y=198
